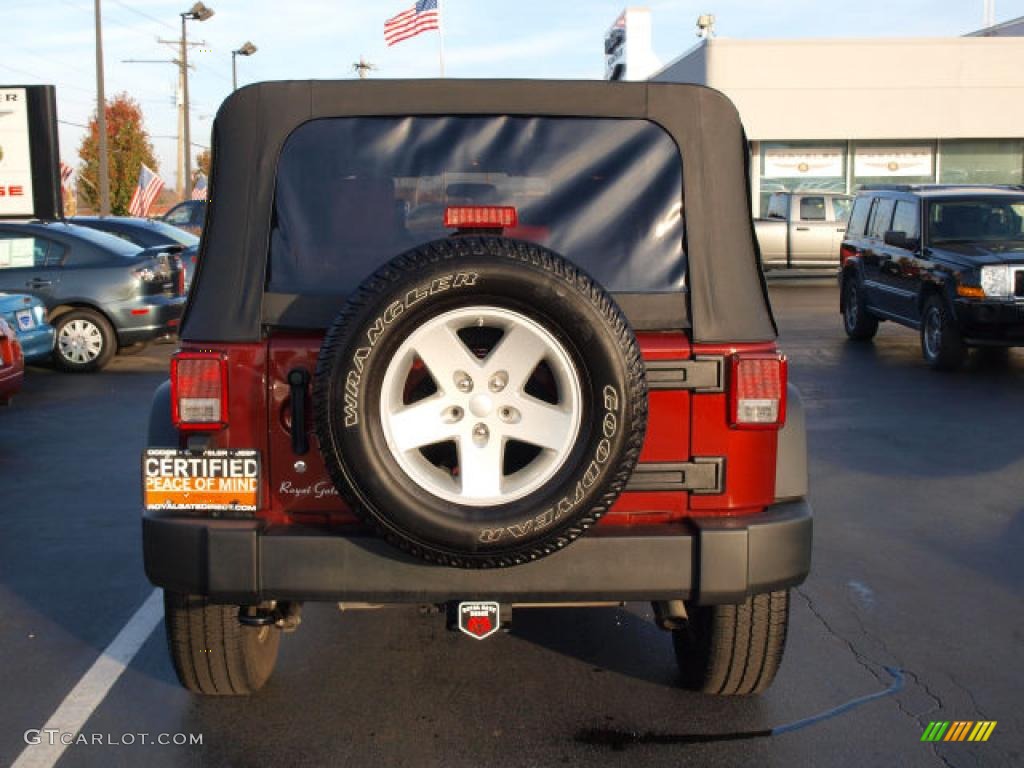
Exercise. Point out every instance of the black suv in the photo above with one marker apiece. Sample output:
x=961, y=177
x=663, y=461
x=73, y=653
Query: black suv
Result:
x=945, y=260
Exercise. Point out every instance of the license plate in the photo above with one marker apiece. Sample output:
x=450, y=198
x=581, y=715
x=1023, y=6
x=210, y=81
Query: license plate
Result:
x=220, y=480
x=25, y=320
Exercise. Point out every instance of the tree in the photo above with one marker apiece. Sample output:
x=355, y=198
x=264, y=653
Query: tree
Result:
x=128, y=147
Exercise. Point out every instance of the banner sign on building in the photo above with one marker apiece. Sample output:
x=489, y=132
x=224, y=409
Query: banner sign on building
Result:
x=29, y=155
x=824, y=162
x=893, y=161
x=632, y=58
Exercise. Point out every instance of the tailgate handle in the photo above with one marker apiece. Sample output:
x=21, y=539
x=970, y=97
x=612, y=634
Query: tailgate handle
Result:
x=700, y=374
x=298, y=378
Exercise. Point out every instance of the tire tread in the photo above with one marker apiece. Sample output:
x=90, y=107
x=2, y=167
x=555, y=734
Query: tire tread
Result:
x=212, y=652
x=734, y=650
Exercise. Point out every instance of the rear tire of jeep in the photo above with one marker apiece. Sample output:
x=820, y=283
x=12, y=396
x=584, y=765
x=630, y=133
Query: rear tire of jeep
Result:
x=213, y=653
x=858, y=322
x=733, y=650
x=480, y=401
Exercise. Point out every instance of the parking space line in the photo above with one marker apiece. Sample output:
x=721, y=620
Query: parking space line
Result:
x=90, y=691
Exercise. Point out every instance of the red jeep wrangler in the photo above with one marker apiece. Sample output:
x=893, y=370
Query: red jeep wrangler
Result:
x=477, y=344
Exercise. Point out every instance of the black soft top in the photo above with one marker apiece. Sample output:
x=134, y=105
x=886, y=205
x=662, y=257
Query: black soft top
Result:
x=728, y=300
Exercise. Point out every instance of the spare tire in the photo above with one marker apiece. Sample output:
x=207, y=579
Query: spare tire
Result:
x=480, y=401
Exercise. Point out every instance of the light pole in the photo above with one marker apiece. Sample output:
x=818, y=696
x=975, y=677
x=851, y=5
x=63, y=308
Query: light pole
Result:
x=198, y=12
x=247, y=49
x=101, y=121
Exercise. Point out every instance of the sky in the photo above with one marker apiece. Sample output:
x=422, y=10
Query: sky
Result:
x=52, y=41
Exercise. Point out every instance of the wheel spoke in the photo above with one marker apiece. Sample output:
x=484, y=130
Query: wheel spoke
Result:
x=519, y=352
x=480, y=467
x=541, y=424
x=421, y=424
x=444, y=353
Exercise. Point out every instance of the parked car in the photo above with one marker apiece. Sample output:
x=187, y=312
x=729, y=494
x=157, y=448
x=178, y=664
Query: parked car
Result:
x=101, y=292
x=12, y=363
x=467, y=418
x=947, y=261
x=188, y=215
x=803, y=229
x=148, y=233
x=27, y=316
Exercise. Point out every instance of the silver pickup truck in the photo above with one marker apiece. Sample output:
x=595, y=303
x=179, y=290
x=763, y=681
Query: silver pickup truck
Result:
x=803, y=229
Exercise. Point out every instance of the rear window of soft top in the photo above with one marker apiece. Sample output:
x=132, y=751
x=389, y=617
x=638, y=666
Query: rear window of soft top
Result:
x=352, y=193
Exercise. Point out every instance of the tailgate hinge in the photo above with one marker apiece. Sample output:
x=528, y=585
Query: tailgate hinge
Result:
x=703, y=475
x=701, y=374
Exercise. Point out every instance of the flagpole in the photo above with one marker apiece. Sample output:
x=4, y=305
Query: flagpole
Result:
x=440, y=33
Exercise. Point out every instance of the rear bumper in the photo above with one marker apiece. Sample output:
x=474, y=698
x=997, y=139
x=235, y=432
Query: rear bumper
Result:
x=147, y=318
x=11, y=376
x=710, y=561
x=36, y=344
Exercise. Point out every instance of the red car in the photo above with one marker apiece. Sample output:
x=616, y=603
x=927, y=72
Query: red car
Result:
x=12, y=363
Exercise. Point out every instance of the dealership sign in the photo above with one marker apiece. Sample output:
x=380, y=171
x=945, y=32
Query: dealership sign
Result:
x=15, y=157
x=794, y=163
x=893, y=161
x=29, y=153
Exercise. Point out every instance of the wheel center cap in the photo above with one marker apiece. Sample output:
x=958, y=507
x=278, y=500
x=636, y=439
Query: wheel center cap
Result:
x=481, y=405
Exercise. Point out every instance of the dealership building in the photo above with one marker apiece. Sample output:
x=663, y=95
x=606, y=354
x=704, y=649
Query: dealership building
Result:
x=834, y=114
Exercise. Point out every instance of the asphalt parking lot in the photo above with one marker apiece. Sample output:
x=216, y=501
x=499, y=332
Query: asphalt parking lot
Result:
x=917, y=481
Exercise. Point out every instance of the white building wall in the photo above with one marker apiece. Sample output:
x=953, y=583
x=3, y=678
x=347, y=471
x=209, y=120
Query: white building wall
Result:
x=865, y=89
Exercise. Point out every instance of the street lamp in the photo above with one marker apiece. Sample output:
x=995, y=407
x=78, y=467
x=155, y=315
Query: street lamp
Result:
x=247, y=49
x=197, y=12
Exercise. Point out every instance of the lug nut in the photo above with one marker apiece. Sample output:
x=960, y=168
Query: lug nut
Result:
x=481, y=433
x=462, y=382
x=498, y=381
x=452, y=415
x=508, y=414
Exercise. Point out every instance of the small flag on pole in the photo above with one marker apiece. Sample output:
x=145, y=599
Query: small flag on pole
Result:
x=145, y=193
x=199, y=189
x=422, y=17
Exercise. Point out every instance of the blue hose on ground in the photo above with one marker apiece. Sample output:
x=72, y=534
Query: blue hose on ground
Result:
x=619, y=740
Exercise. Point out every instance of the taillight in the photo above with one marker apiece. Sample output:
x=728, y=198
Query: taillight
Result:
x=199, y=390
x=758, y=391
x=181, y=278
x=480, y=216
x=846, y=252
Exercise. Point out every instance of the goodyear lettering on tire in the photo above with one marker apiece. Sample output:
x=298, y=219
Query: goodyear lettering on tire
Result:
x=609, y=428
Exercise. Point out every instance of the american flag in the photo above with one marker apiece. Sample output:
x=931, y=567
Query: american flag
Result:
x=199, y=189
x=145, y=193
x=422, y=17
x=66, y=172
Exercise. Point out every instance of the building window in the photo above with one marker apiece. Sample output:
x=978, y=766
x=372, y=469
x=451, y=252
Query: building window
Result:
x=893, y=163
x=801, y=166
x=999, y=161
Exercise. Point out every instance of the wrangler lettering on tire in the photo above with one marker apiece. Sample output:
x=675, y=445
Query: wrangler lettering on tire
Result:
x=481, y=401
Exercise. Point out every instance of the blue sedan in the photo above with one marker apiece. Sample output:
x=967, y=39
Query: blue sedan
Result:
x=27, y=316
